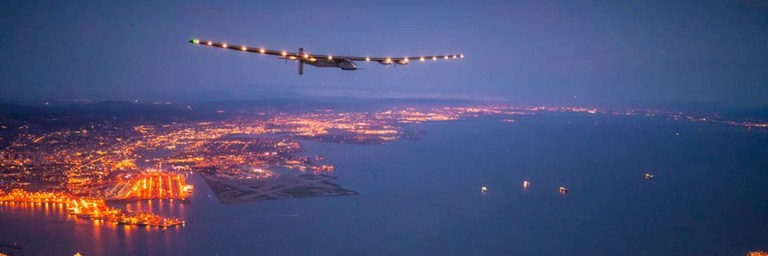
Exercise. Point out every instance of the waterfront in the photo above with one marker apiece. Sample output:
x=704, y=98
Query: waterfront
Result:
x=423, y=197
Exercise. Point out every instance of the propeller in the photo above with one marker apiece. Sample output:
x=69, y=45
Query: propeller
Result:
x=301, y=61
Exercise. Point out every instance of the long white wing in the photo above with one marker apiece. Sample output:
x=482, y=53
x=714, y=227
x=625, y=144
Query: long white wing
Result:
x=313, y=57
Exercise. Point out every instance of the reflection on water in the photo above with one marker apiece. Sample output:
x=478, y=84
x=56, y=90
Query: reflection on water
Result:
x=51, y=224
x=48, y=210
x=54, y=211
x=164, y=207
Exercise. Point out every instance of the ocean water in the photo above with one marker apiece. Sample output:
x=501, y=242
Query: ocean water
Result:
x=709, y=196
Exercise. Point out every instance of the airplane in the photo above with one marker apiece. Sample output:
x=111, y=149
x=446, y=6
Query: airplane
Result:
x=322, y=60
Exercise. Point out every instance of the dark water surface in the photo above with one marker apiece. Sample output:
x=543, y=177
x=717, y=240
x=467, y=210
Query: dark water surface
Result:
x=709, y=197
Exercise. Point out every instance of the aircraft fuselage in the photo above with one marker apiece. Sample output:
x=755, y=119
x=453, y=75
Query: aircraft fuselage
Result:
x=332, y=63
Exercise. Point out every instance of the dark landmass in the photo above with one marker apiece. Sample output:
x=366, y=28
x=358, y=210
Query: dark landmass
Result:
x=412, y=135
x=280, y=187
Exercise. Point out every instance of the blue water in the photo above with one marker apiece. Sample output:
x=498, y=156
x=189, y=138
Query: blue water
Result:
x=709, y=197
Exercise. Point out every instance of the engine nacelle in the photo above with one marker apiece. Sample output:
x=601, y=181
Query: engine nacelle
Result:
x=384, y=62
x=401, y=62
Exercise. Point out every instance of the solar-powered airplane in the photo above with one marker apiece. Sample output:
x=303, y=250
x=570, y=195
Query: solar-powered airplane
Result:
x=325, y=61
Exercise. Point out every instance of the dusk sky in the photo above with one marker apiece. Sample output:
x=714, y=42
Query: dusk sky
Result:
x=549, y=52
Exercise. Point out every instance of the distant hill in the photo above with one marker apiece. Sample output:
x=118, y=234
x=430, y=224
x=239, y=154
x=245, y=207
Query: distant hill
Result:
x=77, y=114
x=72, y=115
x=336, y=103
x=728, y=111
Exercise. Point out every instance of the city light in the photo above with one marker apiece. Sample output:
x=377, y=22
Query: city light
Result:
x=150, y=185
x=89, y=208
x=109, y=161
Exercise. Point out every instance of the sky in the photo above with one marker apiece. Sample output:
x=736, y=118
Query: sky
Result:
x=543, y=52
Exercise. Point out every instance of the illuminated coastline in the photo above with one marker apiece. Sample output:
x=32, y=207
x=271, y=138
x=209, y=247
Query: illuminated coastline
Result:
x=84, y=167
x=89, y=208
